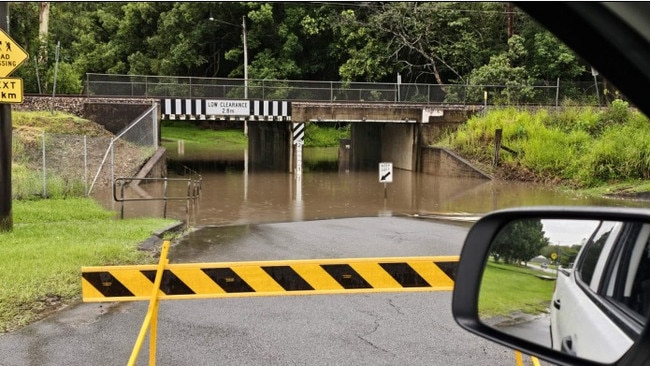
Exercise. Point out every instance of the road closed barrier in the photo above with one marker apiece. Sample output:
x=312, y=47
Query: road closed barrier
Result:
x=270, y=278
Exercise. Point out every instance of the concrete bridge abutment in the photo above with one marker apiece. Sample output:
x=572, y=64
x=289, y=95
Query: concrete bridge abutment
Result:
x=269, y=146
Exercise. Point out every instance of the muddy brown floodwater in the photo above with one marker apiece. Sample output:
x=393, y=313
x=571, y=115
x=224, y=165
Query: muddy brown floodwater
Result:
x=230, y=195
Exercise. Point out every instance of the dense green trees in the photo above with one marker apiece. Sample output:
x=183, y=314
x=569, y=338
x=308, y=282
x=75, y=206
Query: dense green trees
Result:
x=519, y=241
x=426, y=42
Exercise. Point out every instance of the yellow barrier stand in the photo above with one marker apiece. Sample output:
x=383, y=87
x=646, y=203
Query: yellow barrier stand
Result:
x=165, y=281
x=520, y=362
x=422, y=264
x=152, y=313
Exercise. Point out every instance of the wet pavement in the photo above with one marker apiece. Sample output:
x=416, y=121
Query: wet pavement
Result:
x=359, y=329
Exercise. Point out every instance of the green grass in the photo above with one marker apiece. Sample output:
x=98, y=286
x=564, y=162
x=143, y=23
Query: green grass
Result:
x=51, y=240
x=57, y=122
x=506, y=289
x=319, y=136
x=582, y=148
x=630, y=187
x=196, y=138
x=27, y=182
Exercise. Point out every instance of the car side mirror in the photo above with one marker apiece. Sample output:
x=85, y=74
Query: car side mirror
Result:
x=569, y=285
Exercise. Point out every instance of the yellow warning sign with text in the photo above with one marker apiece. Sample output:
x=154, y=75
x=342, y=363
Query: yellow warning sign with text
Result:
x=11, y=54
x=11, y=90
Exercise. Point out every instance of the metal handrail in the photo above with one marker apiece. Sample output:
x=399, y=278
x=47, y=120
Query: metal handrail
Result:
x=193, y=192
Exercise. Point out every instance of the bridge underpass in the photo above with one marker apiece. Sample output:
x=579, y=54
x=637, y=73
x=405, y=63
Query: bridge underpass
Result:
x=379, y=131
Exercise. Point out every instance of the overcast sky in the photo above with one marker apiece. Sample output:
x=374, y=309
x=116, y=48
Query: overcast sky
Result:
x=569, y=232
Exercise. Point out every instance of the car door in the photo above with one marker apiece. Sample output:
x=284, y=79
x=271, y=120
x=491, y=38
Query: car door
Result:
x=596, y=310
x=576, y=319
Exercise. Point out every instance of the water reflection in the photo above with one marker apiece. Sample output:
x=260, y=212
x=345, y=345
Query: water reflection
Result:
x=231, y=195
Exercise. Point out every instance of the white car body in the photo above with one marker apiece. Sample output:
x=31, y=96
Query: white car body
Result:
x=590, y=317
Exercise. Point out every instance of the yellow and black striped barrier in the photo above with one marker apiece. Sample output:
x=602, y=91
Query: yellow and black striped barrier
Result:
x=519, y=359
x=270, y=278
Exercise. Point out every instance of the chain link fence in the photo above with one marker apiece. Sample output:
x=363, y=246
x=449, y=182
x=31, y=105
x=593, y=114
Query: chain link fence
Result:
x=131, y=146
x=62, y=165
x=543, y=93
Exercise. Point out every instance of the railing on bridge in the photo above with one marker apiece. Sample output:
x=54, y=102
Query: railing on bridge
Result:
x=337, y=91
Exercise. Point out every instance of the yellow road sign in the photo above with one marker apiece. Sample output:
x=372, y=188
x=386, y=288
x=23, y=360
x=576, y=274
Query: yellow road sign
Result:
x=553, y=256
x=11, y=54
x=11, y=90
x=271, y=278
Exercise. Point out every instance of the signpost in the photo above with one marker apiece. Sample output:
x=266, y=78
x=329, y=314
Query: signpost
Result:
x=385, y=172
x=385, y=175
x=11, y=91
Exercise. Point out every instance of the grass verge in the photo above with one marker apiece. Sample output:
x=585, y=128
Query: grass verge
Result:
x=197, y=139
x=52, y=239
x=581, y=148
x=506, y=289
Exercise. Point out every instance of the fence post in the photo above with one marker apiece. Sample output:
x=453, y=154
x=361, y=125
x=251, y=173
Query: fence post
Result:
x=485, y=96
x=155, y=128
x=122, y=185
x=165, y=198
x=44, y=167
x=497, y=146
x=557, y=93
x=113, y=164
x=85, y=166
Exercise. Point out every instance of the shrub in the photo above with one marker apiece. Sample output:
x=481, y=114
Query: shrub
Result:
x=585, y=146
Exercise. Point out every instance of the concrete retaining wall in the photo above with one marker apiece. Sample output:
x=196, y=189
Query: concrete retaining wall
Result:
x=114, y=117
x=442, y=162
x=397, y=143
x=112, y=113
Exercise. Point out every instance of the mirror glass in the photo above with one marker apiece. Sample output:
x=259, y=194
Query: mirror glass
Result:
x=578, y=286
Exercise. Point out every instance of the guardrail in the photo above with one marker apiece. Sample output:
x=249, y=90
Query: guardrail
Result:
x=191, y=198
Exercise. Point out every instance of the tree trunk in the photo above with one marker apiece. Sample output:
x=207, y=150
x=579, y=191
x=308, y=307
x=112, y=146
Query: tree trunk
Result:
x=43, y=28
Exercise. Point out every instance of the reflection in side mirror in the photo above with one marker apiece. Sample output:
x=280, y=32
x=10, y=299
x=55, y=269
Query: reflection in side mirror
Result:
x=581, y=287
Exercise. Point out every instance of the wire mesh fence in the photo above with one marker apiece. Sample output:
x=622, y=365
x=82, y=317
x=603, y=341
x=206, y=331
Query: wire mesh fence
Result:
x=53, y=165
x=61, y=165
x=133, y=145
x=543, y=93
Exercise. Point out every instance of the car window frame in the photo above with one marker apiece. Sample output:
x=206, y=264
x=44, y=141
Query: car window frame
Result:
x=608, y=264
x=626, y=274
x=598, y=268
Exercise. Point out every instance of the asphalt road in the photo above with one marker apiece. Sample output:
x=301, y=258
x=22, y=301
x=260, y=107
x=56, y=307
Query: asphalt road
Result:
x=359, y=329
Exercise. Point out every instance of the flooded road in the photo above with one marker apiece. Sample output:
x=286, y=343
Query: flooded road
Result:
x=271, y=216
x=231, y=195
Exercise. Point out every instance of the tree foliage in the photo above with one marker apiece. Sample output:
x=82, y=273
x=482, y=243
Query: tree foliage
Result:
x=427, y=42
x=519, y=241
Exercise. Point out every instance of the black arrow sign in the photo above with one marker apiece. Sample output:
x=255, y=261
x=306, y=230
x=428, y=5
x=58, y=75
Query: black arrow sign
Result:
x=383, y=177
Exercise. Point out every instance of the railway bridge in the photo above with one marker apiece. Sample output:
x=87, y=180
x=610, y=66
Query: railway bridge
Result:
x=389, y=121
x=380, y=131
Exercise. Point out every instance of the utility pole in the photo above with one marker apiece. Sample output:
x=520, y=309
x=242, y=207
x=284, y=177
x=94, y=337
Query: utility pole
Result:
x=6, y=218
x=244, y=40
x=510, y=20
